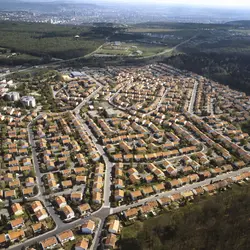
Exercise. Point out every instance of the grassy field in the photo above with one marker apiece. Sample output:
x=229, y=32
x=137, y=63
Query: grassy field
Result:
x=149, y=30
x=150, y=49
x=166, y=31
x=131, y=48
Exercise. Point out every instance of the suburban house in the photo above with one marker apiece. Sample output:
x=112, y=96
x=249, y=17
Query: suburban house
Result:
x=84, y=208
x=131, y=214
x=68, y=212
x=41, y=214
x=49, y=243
x=88, y=227
x=17, y=223
x=110, y=241
x=36, y=205
x=135, y=195
x=60, y=201
x=65, y=236
x=17, y=209
x=119, y=194
x=114, y=227
x=82, y=244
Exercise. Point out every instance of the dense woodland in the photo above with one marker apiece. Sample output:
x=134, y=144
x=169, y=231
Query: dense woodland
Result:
x=47, y=40
x=221, y=222
x=229, y=69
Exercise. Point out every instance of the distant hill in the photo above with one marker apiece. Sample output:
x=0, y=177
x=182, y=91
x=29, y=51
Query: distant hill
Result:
x=240, y=23
x=46, y=7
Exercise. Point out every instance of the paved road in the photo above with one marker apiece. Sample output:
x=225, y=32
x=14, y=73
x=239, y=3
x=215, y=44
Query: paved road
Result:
x=192, y=100
x=95, y=51
x=100, y=86
x=211, y=106
x=34, y=157
x=181, y=189
x=108, y=164
x=97, y=236
x=108, y=169
x=105, y=210
x=169, y=50
x=102, y=214
x=56, y=63
x=57, y=230
x=78, y=108
x=40, y=195
x=159, y=104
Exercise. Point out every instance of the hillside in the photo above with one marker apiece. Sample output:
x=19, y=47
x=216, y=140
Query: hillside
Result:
x=48, y=40
x=240, y=23
x=220, y=222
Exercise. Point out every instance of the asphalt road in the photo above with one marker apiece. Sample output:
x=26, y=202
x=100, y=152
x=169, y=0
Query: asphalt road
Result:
x=180, y=189
x=2, y=76
x=105, y=210
x=192, y=100
x=108, y=164
x=78, y=108
x=169, y=50
x=57, y=230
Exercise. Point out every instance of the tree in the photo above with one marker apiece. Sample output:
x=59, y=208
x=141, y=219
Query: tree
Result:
x=68, y=163
x=32, y=173
x=209, y=152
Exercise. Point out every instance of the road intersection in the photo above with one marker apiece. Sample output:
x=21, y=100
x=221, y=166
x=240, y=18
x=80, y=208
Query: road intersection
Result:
x=106, y=209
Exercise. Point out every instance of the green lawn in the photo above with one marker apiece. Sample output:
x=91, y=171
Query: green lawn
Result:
x=149, y=49
x=114, y=52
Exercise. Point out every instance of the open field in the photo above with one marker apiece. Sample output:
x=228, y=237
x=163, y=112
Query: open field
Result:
x=149, y=30
x=133, y=49
x=150, y=49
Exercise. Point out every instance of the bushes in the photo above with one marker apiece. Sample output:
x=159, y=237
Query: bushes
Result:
x=227, y=68
x=219, y=222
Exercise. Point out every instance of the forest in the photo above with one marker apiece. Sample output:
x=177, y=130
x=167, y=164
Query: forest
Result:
x=48, y=40
x=232, y=70
x=220, y=222
x=220, y=52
